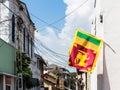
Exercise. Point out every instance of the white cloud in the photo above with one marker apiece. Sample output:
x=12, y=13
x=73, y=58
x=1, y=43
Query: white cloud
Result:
x=52, y=41
x=79, y=19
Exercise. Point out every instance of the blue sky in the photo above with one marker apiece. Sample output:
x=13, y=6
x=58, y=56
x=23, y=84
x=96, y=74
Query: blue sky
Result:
x=48, y=11
x=59, y=36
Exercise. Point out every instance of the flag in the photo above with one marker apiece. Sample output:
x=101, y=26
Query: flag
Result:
x=84, y=51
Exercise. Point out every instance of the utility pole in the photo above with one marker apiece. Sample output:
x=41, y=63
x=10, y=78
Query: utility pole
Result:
x=20, y=80
x=87, y=81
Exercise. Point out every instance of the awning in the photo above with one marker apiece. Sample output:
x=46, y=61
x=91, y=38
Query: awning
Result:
x=7, y=74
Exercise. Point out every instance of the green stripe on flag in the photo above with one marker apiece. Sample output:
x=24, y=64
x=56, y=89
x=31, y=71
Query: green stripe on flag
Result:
x=88, y=38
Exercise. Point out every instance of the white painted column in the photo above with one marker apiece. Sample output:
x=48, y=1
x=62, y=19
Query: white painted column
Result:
x=4, y=83
x=93, y=80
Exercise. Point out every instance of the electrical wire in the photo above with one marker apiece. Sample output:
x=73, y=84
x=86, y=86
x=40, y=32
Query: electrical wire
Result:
x=50, y=49
x=31, y=15
x=69, y=13
x=55, y=22
x=55, y=55
x=45, y=22
x=50, y=57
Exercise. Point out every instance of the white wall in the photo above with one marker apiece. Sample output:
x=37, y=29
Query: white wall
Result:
x=4, y=15
x=111, y=48
x=112, y=34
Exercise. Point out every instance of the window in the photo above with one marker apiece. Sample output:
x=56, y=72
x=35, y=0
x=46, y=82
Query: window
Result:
x=13, y=28
x=8, y=87
x=38, y=63
x=24, y=33
x=8, y=83
x=28, y=43
x=31, y=48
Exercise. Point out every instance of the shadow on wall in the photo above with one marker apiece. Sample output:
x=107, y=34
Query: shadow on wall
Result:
x=99, y=81
x=106, y=82
x=103, y=79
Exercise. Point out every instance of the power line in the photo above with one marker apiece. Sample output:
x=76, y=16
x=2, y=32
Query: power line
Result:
x=52, y=53
x=51, y=24
x=45, y=22
x=68, y=14
x=53, y=59
x=50, y=49
x=58, y=21
x=32, y=15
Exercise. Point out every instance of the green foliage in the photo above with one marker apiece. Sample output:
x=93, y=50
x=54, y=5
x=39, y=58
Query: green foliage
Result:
x=28, y=82
x=26, y=71
x=73, y=74
x=72, y=80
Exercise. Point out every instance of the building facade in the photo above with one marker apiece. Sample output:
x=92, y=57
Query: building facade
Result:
x=14, y=16
x=16, y=28
x=106, y=26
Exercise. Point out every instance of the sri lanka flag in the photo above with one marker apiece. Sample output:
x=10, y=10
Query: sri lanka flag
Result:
x=84, y=51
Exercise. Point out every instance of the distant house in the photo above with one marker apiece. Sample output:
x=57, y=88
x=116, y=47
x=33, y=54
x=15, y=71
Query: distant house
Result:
x=37, y=66
x=62, y=75
x=49, y=81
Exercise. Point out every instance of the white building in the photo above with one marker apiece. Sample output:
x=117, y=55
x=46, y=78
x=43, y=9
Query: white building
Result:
x=106, y=26
x=14, y=16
